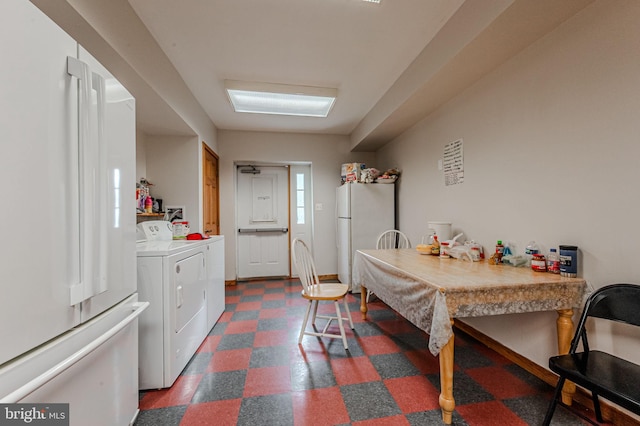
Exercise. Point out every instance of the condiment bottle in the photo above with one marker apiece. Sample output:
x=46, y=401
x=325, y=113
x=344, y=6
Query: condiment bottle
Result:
x=499, y=251
x=435, y=247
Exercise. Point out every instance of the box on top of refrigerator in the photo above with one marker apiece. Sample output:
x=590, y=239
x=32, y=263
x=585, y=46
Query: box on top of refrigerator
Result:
x=351, y=172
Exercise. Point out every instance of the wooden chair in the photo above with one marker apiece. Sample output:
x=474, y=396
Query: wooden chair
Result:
x=392, y=239
x=601, y=373
x=389, y=240
x=315, y=291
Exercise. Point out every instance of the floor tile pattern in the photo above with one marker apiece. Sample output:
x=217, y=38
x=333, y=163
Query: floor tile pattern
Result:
x=251, y=371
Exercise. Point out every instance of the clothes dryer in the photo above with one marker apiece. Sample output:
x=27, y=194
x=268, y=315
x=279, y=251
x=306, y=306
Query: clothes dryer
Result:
x=172, y=276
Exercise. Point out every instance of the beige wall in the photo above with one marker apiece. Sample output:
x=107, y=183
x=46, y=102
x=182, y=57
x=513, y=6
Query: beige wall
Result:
x=326, y=153
x=141, y=155
x=550, y=154
x=173, y=166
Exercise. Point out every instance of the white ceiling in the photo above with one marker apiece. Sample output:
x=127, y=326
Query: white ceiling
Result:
x=357, y=47
x=393, y=63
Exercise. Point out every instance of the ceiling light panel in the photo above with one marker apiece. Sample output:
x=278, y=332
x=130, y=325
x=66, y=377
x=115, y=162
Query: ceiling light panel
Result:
x=280, y=99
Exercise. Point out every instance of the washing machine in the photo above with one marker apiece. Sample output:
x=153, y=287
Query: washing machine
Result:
x=172, y=276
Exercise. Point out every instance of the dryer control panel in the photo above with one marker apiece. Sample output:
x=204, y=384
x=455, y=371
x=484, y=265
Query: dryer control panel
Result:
x=155, y=230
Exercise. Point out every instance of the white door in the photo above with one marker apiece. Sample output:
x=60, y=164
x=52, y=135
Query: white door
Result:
x=263, y=221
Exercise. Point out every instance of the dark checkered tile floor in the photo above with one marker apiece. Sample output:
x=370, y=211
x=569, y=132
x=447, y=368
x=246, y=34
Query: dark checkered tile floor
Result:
x=251, y=371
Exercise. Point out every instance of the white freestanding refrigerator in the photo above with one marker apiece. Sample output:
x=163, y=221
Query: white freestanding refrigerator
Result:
x=69, y=307
x=364, y=211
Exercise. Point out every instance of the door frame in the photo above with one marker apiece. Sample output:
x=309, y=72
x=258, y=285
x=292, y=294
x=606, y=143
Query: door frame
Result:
x=304, y=231
x=206, y=149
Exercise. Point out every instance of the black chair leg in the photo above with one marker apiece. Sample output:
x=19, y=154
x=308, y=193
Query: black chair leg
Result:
x=554, y=402
x=596, y=406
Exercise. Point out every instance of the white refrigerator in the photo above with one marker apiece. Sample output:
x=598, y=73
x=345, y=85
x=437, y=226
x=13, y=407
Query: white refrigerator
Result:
x=363, y=212
x=69, y=306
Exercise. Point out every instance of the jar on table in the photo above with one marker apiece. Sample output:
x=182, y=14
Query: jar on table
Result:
x=444, y=250
x=539, y=263
x=475, y=254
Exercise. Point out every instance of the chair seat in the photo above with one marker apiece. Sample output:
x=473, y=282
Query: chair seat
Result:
x=326, y=291
x=611, y=377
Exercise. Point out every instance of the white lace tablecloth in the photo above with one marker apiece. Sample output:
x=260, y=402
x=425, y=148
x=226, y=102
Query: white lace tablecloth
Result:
x=429, y=291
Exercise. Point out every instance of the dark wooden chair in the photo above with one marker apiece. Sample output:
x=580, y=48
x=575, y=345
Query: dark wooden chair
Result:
x=605, y=375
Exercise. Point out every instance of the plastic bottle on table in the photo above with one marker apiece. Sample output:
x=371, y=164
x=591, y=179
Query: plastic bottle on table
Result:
x=435, y=247
x=499, y=251
x=531, y=249
x=553, y=262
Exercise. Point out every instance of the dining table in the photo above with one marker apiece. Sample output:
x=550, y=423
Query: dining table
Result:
x=431, y=291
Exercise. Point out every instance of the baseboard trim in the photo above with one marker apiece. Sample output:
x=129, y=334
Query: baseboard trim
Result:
x=330, y=277
x=333, y=277
x=610, y=413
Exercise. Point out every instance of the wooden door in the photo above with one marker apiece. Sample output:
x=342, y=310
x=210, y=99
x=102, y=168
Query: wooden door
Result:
x=210, y=196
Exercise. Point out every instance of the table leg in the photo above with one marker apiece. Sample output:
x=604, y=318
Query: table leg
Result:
x=564, y=324
x=447, y=403
x=363, y=302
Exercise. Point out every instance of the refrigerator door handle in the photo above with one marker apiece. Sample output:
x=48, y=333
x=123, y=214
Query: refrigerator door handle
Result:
x=80, y=70
x=59, y=368
x=99, y=283
x=93, y=184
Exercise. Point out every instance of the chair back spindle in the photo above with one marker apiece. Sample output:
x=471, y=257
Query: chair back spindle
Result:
x=392, y=239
